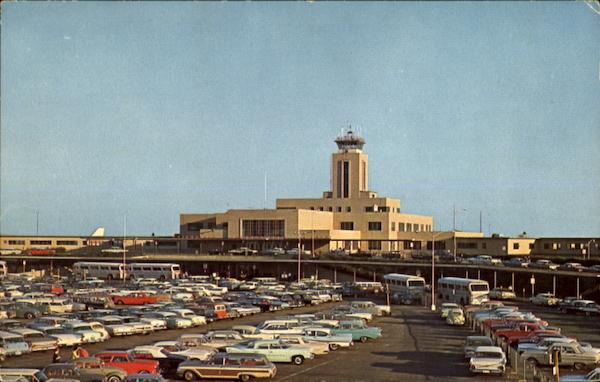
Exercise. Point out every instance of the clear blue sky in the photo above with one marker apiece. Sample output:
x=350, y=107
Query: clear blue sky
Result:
x=155, y=108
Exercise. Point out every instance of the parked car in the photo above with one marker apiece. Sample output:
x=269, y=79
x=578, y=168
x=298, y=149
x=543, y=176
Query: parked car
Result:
x=359, y=330
x=134, y=299
x=174, y=347
x=95, y=366
x=22, y=375
x=63, y=338
x=518, y=262
x=317, y=348
x=244, y=367
x=447, y=307
x=274, y=350
x=37, y=340
x=592, y=376
x=456, y=317
x=335, y=341
x=544, y=299
x=167, y=362
x=488, y=360
x=126, y=361
x=13, y=344
x=473, y=342
x=371, y=307
x=544, y=264
x=502, y=294
x=573, y=267
x=572, y=354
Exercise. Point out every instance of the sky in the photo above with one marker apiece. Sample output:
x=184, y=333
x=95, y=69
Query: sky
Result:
x=151, y=109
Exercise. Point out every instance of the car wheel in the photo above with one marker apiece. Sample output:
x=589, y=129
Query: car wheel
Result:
x=363, y=339
x=28, y=315
x=578, y=366
x=144, y=372
x=245, y=377
x=119, y=302
x=297, y=360
x=334, y=347
x=113, y=378
x=189, y=375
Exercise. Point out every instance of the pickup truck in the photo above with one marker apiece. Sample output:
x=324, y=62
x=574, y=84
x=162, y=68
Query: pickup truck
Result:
x=570, y=354
x=133, y=299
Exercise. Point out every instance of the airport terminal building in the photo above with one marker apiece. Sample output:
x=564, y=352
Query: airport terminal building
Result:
x=349, y=216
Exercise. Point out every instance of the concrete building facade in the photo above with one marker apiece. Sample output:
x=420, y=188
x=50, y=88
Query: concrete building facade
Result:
x=347, y=217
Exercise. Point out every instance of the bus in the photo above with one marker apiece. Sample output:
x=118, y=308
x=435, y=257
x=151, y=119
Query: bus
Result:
x=160, y=271
x=462, y=291
x=265, y=280
x=405, y=289
x=108, y=271
x=117, y=271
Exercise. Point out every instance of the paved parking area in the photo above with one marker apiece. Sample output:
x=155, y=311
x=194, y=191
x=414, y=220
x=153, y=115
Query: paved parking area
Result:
x=416, y=345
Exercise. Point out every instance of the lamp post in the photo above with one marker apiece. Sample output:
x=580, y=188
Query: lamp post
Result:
x=433, y=235
x=299, y=255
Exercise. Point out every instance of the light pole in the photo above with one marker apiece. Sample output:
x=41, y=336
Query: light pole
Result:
x=299, y=255
x=433, y=235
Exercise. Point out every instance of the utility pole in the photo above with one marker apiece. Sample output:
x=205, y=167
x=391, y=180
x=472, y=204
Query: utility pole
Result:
x=37, y=223
x=454, y=229
x=480, y=221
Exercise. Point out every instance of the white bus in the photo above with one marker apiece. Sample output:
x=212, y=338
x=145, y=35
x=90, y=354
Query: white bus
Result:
x=160, y=271
x=108, y=271
x=405, y=289
x=116, y=271
x=462, y=291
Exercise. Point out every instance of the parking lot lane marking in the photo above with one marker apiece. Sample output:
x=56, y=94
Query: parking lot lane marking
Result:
x=308, y=369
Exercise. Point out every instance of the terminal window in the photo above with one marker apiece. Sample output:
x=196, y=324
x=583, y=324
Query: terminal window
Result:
x=374, y=244
x=393, y=226
x=515, y=245
x=374, y=226
x=401, y=228
x=347, y=226
x=40, y=242
x=16, y=242
x=263, y=228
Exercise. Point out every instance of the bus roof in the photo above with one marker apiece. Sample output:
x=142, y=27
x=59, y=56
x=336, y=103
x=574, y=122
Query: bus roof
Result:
x=461, y=281
x=95, y=263
x=400, y=276
x=154, y=264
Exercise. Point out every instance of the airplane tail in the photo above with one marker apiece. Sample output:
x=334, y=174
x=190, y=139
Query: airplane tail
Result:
x=99, y=232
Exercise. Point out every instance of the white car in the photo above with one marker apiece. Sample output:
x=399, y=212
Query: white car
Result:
x=155, y=323
x=174, y=347
x=488, y=360
x=317, y=348
x=370, y=306
x=116, y=327
x=251, y=332
x=545, y=299
x=190, y=315
x=62, y=336
x=85, y=330
x=334, y=341
x=447, y=307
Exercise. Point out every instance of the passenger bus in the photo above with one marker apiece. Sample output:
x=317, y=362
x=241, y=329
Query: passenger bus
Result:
x=161, y=271
x=116, y=271
x=405, y=289
x=462, y=291
x=108, y=271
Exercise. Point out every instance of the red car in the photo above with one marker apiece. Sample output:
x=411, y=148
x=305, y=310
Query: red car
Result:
x=127, y=362
x=134, y=299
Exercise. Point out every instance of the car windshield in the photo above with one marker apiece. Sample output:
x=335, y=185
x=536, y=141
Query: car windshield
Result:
x=488, y=354
x=479, y=342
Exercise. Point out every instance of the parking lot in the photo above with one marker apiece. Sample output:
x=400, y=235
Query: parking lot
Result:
x=416, y=346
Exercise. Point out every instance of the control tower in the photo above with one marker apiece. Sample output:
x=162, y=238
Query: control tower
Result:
x=349, y=167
